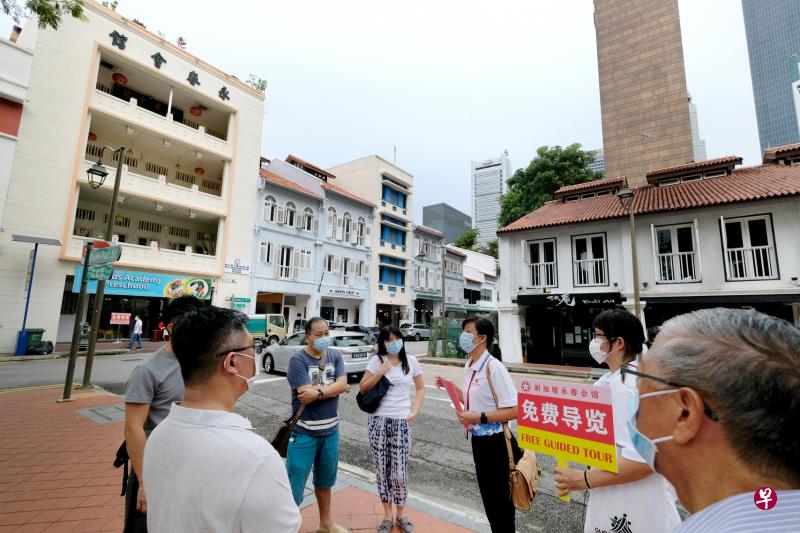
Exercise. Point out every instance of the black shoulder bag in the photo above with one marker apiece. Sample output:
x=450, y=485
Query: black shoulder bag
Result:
x=370, y=401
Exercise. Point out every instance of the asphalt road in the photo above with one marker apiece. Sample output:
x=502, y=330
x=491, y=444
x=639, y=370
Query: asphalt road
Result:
x=441, y=465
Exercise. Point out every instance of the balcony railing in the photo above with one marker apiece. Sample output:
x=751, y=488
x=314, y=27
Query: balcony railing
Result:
x=154, y=257
x=543, y=274
x=187, y=131
x=287, y=272
x=393, y=245
x=589, y=272
x=751, y=263
x=679, y=267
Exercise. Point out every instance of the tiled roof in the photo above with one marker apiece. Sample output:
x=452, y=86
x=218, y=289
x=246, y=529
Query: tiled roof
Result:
x=430, y=231
x=294, y=159
x=771, y=154
x=589, y=185
x=286, y=184
x=348, y=194
x=743, y=185
x=455, y=251
x=728, y=161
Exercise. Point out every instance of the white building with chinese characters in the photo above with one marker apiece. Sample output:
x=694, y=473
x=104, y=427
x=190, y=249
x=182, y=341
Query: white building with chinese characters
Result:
x=312, y=245
x=708, y=234
x=192, y=135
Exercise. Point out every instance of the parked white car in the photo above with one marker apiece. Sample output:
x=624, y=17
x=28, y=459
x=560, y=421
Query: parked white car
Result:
x=415, y=331
x=355, y=348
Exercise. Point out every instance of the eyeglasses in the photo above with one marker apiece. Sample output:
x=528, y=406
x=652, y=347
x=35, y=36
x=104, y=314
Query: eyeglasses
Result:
x=706, y=409
x=255, y=346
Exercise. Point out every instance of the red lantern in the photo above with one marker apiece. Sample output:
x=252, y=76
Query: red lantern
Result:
x=196, y=110
x=119, y=78
x=92, y=136
x=199, y=171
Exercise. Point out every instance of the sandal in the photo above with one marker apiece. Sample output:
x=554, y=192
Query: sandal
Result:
x=405, y=524
x=385, y=527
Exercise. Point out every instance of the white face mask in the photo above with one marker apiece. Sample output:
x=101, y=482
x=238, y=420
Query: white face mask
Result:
x=252, y=379
x=596, y=352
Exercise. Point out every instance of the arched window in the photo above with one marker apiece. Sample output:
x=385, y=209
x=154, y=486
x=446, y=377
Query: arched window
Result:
x=308, y=219
x=347, y=225
x=331, y=223
x=361, y=229
x=291, y=214
x=270, y=208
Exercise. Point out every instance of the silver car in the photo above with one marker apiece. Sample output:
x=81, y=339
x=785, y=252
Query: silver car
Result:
x=355, y=348
x=415, y=331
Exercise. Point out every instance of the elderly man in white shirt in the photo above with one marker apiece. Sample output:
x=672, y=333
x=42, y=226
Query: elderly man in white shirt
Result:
x=204, y=467
x=717, y=413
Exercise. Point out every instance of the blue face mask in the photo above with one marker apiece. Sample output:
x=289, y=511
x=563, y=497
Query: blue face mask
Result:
x=394, y=347
x=323, y=343
x=465, y=341
x=645, y=446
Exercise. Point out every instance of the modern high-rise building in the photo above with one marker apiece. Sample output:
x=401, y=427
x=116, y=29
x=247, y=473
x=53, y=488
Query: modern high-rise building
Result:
x=599, y=163
x=698, y=144
x=488, y=185
x=447, y=219
x=773, y=44
x=643, y=91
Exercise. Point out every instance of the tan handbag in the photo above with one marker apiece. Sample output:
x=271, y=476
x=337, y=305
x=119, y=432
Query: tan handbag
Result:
x=523, y=477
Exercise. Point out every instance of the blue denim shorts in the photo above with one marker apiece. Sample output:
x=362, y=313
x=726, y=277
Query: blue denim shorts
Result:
x=306, y=451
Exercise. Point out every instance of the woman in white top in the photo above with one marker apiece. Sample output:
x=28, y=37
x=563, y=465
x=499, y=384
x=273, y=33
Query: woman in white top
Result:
x=484, y=420
x=390, y=424
x=635, y=498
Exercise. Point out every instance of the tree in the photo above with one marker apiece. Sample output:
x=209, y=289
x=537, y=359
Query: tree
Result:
x=467, y=239
x=552, y=168
x=111, y=5
x=491, y=248
x=257, y=83
x=48, y=12
x=181, y=42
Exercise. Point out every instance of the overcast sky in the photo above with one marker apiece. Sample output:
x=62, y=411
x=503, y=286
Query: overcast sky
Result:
x=446, y=81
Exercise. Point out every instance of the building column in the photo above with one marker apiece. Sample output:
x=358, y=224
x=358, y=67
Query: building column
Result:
x=509, y=323
x=796, y=314
x=630, y=307
x=363, y=313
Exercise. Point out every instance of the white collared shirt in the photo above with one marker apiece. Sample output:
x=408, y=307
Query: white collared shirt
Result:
x=206, y=470
x=478, y=395
x=739, y=514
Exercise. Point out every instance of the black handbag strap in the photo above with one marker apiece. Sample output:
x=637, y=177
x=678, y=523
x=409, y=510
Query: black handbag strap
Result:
x=296, y=416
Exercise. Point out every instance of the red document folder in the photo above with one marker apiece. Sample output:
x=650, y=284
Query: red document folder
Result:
x=451, y=391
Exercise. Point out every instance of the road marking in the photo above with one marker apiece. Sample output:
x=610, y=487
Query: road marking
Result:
x=37, y=387
x=269, y=380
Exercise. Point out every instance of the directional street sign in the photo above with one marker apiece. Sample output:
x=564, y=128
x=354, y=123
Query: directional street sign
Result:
x=243, y=300
x=105, y=255
x=239, y=306
x=98, y=272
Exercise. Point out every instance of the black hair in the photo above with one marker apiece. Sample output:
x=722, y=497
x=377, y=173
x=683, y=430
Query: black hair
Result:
x=615, y=324
x=199, y=335
x=177, y=307
x=484, y=326
x=383, y=336
x=313, y=320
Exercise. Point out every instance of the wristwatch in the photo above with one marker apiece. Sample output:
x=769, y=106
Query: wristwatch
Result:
x=320, y=394
x=484, y=420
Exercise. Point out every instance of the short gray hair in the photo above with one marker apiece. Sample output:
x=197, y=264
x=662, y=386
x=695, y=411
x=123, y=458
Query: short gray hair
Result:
x=746, y=366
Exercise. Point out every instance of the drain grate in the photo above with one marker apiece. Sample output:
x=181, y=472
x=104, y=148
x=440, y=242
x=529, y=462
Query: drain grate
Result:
x=104, y=414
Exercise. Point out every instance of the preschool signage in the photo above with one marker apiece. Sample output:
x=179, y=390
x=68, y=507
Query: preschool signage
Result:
x=149, y=284
x=569, y=421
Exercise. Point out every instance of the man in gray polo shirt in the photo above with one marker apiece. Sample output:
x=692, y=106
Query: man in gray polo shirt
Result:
x=151, y=388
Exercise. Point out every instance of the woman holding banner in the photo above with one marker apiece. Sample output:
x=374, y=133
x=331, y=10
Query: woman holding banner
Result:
x=484, y=419
x=635, y=498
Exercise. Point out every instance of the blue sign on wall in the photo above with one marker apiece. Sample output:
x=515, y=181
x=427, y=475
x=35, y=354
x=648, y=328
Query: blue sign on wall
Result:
x=149, y=285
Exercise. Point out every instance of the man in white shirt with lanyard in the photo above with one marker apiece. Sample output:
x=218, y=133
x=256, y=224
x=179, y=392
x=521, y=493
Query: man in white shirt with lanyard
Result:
x=717, y=414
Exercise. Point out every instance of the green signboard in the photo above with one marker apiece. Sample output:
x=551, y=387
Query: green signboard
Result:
x=237, y=299
x=99, y=272
x=239, y=306
x=103, y=256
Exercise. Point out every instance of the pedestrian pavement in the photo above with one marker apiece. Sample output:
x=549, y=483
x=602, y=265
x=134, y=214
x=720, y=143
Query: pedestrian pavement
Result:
x=56, y=472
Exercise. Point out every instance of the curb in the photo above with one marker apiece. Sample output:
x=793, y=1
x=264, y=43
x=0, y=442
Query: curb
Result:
x=547, y=370
x=58, y=355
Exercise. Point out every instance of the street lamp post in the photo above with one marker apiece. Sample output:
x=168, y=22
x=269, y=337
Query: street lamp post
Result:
x=96, y=175
x=626, y=198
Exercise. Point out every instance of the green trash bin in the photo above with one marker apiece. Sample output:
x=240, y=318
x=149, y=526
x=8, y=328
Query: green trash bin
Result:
x=34, y=337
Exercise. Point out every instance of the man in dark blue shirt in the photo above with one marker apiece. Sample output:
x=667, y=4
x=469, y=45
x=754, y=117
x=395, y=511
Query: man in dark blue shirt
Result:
x=315, y=439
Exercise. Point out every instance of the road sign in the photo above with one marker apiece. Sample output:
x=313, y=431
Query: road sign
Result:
x=104, y=255
x=244, y=300
x=239, y=306
x=99, y=272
